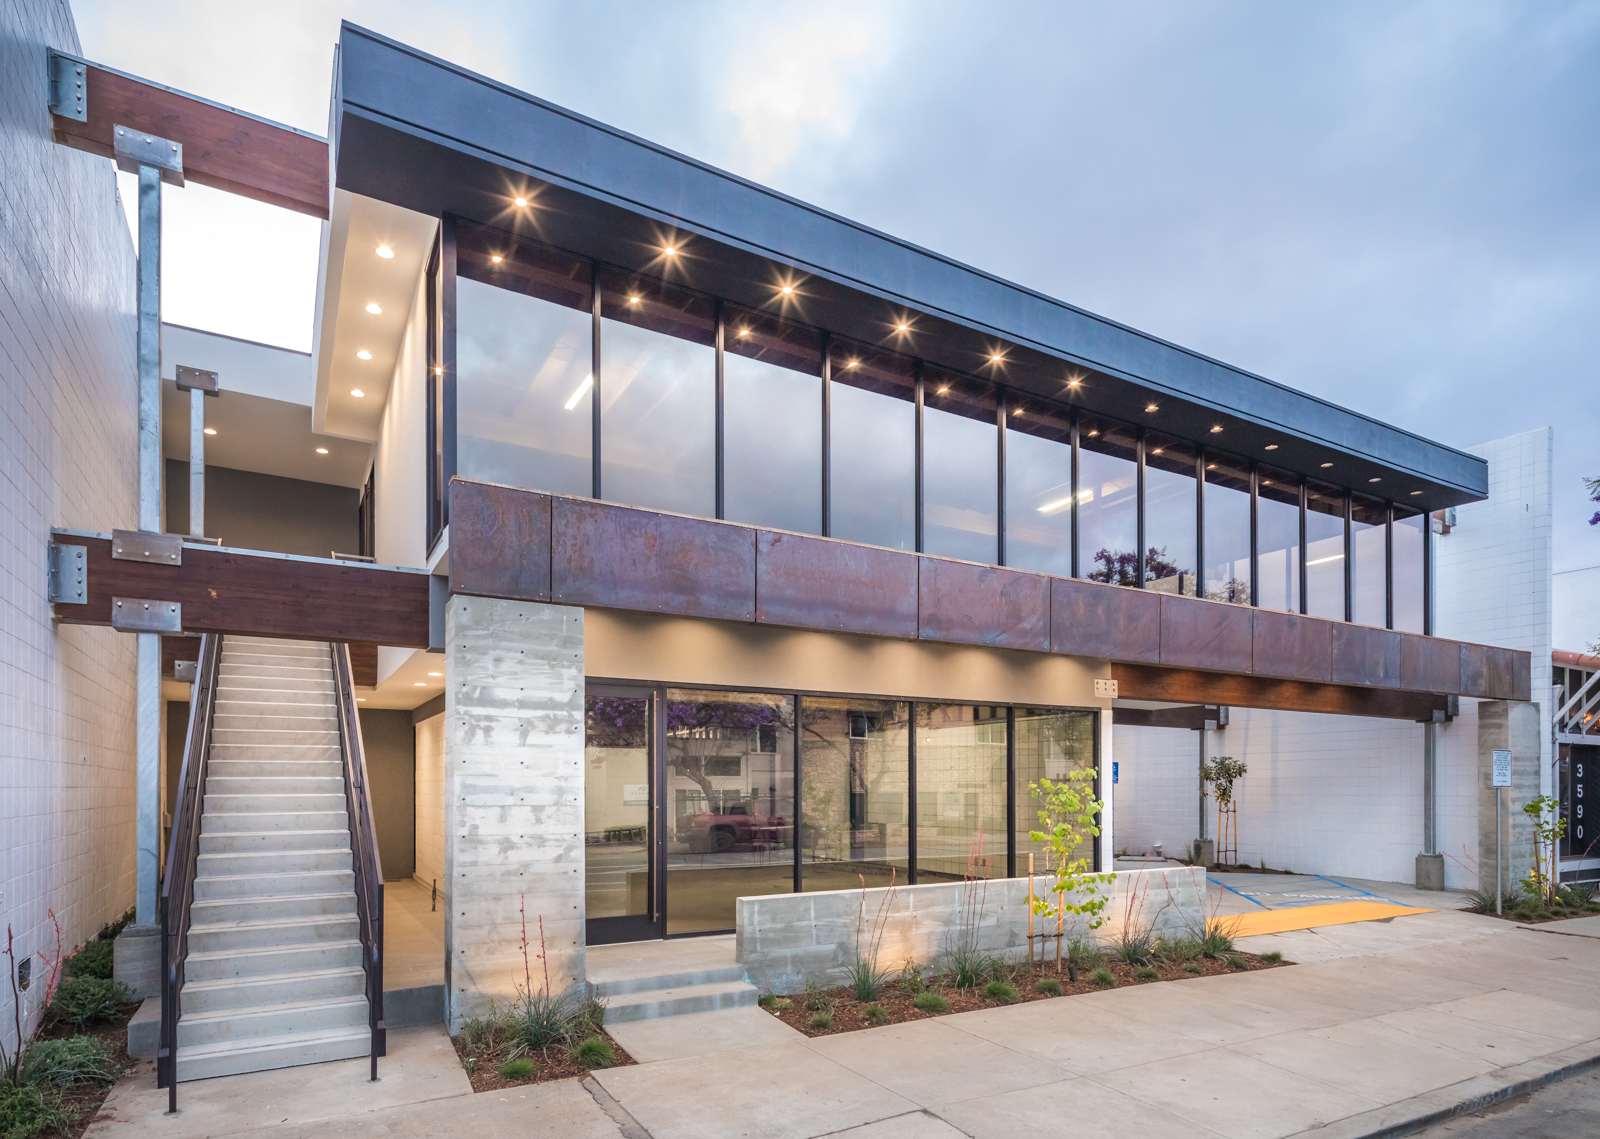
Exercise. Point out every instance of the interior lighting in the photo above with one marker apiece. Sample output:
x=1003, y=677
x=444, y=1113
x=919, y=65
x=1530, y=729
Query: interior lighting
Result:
x=1058, y=504
x=944, y=390
x=1323, y=561
x=374, y=309
x=744, y=332
x=496, y=258
x=1416, y=492
x=902, y=328
x=358, y=393
x=1216, y=429
x=363, y=355
x=852, y=363
x=385, y=252
x=1093, y=433
x=996, y=358
x=322, y=450
x=1374, y=480
x=521, y=201
x=419, y=684
x=1211, y=466
x=213, y=431
x=1157, y=451
x=361, y=699
x=633, y=300
x=438, y=371
x=572, y=400
x=1073, y=383
x=1151, y=407
x=787, y=289
x=1272, y=446
x=435, y=674
x=1326, y=465
x=1266, y=482
x=1018, y=411
x=670, y=251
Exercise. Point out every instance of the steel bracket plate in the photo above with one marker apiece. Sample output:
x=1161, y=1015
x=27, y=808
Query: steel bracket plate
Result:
x=144, y=615
x=69, y=574
x=196, y=380
x=147, y=546
x=185, y=670
x=69, y=88
x=135, y=148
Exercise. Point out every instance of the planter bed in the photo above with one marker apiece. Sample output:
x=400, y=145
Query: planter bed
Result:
x=848, y=1015
x=483, y=1065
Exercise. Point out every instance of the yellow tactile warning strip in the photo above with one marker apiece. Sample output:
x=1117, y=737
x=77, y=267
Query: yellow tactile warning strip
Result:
x=1310, y=917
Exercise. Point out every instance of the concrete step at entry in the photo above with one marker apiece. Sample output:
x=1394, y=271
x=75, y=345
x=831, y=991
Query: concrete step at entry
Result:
x=269, y=804
x=201, y=998
x=627, y=986
x=234, y=963
x=287, y=783
x=267, y=929
x=265, y=1053
x=651, y=1004
x=260, y=885
x=216, y=820
x=279, y=906
x=236, y=1025
x=288, y=863
x=258, y=842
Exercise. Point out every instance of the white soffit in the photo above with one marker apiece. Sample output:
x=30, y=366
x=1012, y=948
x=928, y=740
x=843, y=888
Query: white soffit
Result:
x=268, y=436
x=241, y=365
x=409, y=685
x=355, y=276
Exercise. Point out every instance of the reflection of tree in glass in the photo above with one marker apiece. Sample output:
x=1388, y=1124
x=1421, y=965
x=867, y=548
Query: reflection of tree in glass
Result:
x=1235, y=591
x=1122, y=567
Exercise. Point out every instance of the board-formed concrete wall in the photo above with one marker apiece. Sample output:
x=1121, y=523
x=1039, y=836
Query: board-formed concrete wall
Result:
x=1517, y=728
x=513, y=752
x=785, y=940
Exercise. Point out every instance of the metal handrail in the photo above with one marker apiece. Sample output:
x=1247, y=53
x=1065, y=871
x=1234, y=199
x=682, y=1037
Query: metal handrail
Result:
x=363, y=846
x=1581, y=702
x=177, y=888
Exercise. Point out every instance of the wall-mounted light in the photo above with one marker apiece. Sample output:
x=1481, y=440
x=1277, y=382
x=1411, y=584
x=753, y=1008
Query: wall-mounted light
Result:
x=384, y=251
x=1018, y=411
x=995, y=358
x=944, y=390
x=1093, y=433
x=1157, y=451
x=363, y=355
x=633, y=300
x=1073, y=383
x=375, y=309
x=852, y=363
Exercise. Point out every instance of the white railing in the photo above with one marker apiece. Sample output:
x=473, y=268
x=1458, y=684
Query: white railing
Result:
x=1580, y=715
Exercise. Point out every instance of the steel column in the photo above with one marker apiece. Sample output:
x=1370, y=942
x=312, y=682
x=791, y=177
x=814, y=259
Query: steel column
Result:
x=148, y=716
x=1430, y=788
x=197, y=463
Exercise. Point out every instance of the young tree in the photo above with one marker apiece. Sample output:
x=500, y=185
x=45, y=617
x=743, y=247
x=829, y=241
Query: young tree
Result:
x=1220, y=775
x=1070, y=814
x=1549, y=828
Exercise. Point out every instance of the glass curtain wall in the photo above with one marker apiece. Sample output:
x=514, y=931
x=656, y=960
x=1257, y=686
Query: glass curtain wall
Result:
x=854, y=782
x=772, y=422
x=961, y=792
x=1278, y=540
x=616, y=806
x=1369, y=541
x=1227, y=529
x=1051, y=744
x=960, y=468
x=872, y=447
x=1039, y=490
x=1324, y=551
x=1409, y=582
x=1170, y=524
x=524, y=364
x=657, y=395
x=730, y=803
x=1108, y=513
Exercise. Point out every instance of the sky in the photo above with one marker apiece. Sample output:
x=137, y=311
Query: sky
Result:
x=1394, y=206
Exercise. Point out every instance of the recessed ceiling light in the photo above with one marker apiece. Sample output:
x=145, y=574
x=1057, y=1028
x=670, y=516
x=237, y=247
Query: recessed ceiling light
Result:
x=944, y=390
x=322, y=450
x=633, y=300
x=1211, y=466
x=787, y=289
x=374, y=309
x=213, y=431
x=1093, y=433
x=902, y=328
x=1151, y=407
x=1272, y=446
x=496, y=258
x=744, y=332
x=1374, y=480
x=852, y=363
x=1327, y=465
x=385, y=252
x=1157, y=451
x=1266, y=482
x=435, y=674
x=1216, y=429
x=1073, y=383
x=438, y=371
x=995, y=358
x=358, y=393
x=361, y=699
x=363, y=355
x=670, y=251
x=419, y=684
x=1018, y=411
x=522, y=201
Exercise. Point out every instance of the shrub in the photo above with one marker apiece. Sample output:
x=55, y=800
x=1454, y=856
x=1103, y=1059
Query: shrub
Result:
x=1003, y=991
x=112, y=930
x=931, y=1002
x=594, y=1052
x=822, y=1021
x=486, y=1033
x=1084, y=954
x=1192, y=967
x=1050, y=987
x=83, y=1001
x=27, y=1111
x=77, y=1060
x=1132, y=947
x=1147, y=973
x=93, y=960
x=1216, y=941
x=539, y=1020
x=816, y=1001
x=911, y=981
x=519, y=1069
x=782, y=1004
x=875, y=1014
x=588, y=1018
x=1273, y=958
x=866, y=980
x=1104, y=977
x=1178, y=950
x=767, y=1000
x=1238, y=963
x=968, y=966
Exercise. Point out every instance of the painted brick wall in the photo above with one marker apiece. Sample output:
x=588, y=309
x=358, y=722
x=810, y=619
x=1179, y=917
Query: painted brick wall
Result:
x=68, y=422
x=1343, y=795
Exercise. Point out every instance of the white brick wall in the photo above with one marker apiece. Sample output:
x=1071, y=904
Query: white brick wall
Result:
x=68, y=456
x=1343, y=795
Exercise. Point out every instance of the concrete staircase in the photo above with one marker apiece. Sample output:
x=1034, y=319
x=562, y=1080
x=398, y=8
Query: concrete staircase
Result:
x=273, y=976
x=648, y=980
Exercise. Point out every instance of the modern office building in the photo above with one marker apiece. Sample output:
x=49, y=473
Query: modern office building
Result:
x=701, y=544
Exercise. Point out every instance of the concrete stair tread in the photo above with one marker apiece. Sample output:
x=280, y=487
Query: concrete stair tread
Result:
x=199, y=908
x=226, y=954
x=651, y=1004
x=278, y=1008
x=267, y=923
x=621, y=986
x=269, y=877
x=261, y=980
x=264, y=1043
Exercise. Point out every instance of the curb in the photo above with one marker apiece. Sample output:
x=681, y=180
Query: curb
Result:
x=1410, y=1116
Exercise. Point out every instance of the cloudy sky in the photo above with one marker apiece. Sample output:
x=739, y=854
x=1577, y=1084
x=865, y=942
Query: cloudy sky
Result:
x=1395, y=206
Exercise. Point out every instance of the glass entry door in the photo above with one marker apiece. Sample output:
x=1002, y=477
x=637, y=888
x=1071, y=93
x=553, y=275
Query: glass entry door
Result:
x=620, y=794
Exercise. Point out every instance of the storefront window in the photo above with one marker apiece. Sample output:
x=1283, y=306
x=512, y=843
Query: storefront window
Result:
x=1324, y=551
x=960, y=469
x=1227, y=517
x=616, y=806
x=1050, y=745
x=1108, y=488
x=1369, y=538
x=961, y=792
x=657, y=396
x=1410, y=532
x=873, y=448
x=854, y=817
x=772, y=422
x=1169, y=516
x=1039, y=489
x=1278, y=540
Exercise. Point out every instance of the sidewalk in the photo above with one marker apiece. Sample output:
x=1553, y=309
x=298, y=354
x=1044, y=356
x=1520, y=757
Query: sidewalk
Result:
x=1380, y=1023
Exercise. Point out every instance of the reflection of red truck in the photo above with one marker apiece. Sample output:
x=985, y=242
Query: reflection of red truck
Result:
x=734, y=829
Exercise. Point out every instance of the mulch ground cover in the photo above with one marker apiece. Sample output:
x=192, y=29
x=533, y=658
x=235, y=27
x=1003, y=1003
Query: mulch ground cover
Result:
x=849, y=1015
x=483, y=1065
x=1539, y=917
x=86, y=1098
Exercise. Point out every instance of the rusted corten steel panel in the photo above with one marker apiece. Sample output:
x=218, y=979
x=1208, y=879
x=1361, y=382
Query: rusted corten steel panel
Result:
x=1428, y=664
x=1505, y=680
x=1094, y=620
x=1367, y=656
x=816, y=583
x=222, y=148
x=499, y=542
x=1474, y=670
x=1205, y=634
x=970, y=604
x=1291, y=646
x=232, y=591
x=1190, y=686
x=619, y=557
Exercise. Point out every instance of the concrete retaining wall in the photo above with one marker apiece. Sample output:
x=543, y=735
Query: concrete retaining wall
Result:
x=785, y=940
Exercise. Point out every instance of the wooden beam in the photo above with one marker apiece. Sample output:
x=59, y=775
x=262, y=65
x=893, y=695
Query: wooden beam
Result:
x=273, y=595
x=223, y=148
x=1181, y=685
x=1190, y=717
